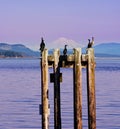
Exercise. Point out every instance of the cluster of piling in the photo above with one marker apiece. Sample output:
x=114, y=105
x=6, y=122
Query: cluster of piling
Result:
x=77, y=61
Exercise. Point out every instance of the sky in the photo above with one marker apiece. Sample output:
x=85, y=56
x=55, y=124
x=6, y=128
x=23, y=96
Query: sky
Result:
x=26, y=21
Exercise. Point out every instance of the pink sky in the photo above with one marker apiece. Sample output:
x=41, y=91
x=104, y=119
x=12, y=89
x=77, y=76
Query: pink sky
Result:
x=26, y=21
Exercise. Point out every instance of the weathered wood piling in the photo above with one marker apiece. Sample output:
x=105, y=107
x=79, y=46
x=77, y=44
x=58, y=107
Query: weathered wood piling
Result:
x=44, y=90
x=56, y=81
x=91, y=89
x=77, y=61
x=77, y=89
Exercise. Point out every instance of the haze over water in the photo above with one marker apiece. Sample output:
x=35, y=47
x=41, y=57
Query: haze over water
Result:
x=20, y=95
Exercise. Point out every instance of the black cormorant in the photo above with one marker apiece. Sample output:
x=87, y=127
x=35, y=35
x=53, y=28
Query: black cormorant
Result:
x=90, y=44
x=65, y=50
x=42, y=45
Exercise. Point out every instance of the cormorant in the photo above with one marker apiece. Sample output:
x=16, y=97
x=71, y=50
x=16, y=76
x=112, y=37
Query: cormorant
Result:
x=65, y=50
x=42, y=45
x=90, y=44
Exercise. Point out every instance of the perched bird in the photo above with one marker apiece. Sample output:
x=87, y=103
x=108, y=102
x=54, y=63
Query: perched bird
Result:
x=42, y=45
x=65, y=50
x=90, y=44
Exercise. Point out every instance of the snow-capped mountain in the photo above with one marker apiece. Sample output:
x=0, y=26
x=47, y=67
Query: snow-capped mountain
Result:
x=61, y=42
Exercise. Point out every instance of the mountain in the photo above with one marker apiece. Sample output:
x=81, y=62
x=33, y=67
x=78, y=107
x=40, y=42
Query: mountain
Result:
x=61, y=42
x=102, y=50
x=19, y=50
x=107, y=50
x=16, y=50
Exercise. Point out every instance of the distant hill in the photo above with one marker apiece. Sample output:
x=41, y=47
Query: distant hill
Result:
x=107, y=50
x=111, y=49
x=16, y=50
x=19, y=50
x=101, y=50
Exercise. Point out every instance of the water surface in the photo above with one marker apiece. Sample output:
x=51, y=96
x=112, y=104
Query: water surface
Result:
x=20, y=95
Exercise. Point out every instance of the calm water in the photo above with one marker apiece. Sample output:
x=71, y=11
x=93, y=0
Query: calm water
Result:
x=20, y=95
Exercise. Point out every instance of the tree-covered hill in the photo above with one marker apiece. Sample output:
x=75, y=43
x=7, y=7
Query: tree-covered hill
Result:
x=16, y=50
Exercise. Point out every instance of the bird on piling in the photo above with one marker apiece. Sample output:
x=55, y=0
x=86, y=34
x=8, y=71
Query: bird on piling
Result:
x=42, y=45
x=90, y=44
x=65, y=50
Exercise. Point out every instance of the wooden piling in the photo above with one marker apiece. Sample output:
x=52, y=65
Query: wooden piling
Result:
x=44, y=90
x=77, y=89
x=91, y=89
x=57, y=106
x=77, y=61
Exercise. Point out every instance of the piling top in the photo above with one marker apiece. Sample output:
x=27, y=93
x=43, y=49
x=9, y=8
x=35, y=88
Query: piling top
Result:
x=69, y=59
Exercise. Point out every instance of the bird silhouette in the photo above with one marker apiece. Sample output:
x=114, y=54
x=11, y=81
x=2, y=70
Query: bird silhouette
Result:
x=90, y=44
x=42, y=45
x=65, y=50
